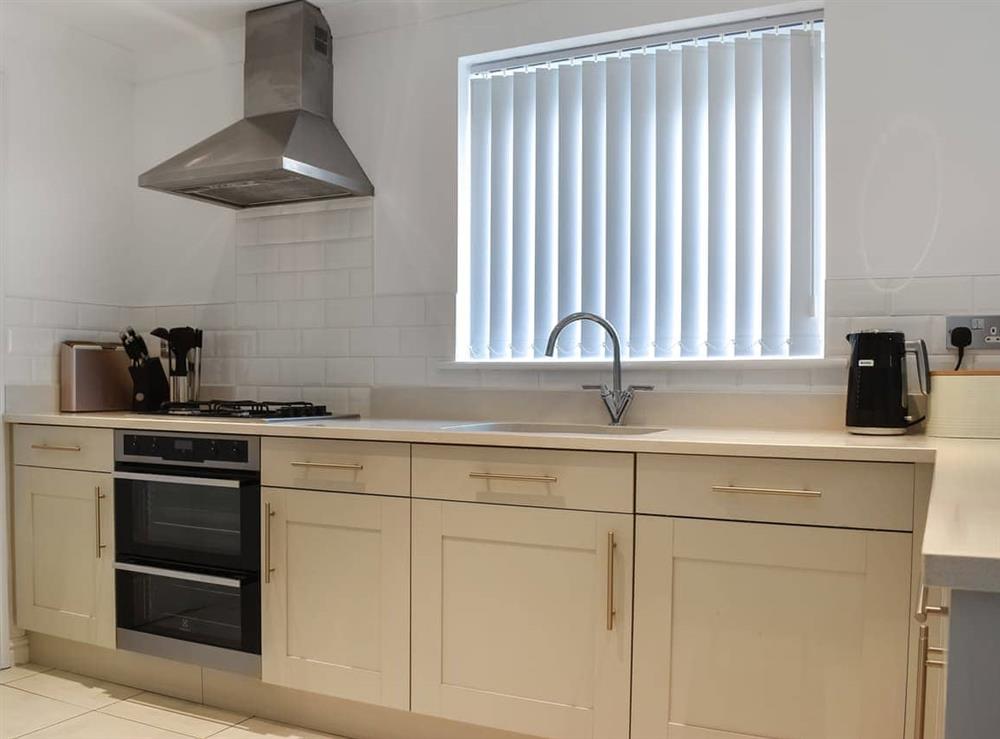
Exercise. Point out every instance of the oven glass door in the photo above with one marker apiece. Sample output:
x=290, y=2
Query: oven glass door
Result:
x=215, y=609
x=206, y=522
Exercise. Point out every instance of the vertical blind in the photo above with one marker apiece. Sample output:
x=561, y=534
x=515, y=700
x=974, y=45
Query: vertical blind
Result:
x=675, y=189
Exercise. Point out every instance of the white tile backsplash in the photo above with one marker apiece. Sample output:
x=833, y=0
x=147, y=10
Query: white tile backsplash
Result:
x=326, y=342
x=932, y=295
x=301, y=314
x=306, y=323
x=350, y=371
x=399, y=310
x=54, y=314
x=986, y=294
x=278, y=343
x=348, y=312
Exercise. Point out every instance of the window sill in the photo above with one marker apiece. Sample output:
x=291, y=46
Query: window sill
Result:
x=693, y=363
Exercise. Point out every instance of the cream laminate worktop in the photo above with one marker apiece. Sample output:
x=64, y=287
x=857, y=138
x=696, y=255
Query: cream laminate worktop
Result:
x=962, y=539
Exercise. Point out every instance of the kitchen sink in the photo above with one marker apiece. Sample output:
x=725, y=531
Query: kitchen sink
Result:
x=554, y=428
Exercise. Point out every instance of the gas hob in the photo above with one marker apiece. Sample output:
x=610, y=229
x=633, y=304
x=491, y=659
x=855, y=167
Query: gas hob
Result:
x=263, y=410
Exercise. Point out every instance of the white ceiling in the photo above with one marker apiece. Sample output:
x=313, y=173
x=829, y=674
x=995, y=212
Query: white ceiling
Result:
x=152, y=25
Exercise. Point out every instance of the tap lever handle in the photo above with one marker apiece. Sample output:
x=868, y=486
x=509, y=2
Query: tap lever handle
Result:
x=602, y=388
x=642, y=387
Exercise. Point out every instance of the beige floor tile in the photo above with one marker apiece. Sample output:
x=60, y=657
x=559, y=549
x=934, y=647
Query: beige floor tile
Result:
x=17, y=672
x=192, y=719
x=22, y=712
x=86, y=692
x=97, y=725
x=257, y=728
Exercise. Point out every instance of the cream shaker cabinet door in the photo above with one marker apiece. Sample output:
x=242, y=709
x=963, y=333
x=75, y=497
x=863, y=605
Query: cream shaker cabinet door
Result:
x=336, y=594
x=522, y=618
x=756, y=630
x=64, y=553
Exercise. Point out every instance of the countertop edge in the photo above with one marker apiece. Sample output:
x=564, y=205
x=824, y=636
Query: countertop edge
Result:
x=431, y=432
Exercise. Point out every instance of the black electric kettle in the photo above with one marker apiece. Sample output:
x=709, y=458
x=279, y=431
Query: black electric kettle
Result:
x=878, y=392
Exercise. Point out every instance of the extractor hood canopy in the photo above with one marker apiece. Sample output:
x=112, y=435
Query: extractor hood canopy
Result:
x=286, y=148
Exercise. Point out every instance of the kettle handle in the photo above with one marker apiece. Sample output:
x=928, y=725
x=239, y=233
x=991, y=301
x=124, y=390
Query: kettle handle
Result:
x=918, y=348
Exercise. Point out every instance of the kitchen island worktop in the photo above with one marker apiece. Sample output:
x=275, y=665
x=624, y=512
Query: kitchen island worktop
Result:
x=962, y=540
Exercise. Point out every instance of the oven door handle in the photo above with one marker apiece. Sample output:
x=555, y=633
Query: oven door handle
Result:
x=229, y=582
x=214, y=482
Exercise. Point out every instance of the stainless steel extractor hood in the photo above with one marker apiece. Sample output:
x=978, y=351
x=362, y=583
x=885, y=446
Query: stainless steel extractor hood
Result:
x=286, y=148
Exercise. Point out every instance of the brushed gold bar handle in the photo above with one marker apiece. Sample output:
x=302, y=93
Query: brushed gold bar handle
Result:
x=766, y=491
x=98, y=497
x=54, y=448
x=330, y=465
x=611, y=580
x=521, y=478
x=268, y=515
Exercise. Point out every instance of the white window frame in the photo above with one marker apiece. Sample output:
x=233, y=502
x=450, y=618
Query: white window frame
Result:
x=557, y=51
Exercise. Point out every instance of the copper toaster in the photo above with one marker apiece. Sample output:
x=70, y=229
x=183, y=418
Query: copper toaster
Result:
x=93, y=376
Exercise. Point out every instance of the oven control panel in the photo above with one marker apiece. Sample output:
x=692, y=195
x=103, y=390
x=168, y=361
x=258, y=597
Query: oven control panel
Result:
x=187, y=449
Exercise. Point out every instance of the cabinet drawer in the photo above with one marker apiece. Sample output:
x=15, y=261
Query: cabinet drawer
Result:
x=64, y=447
x=870, y=495
x=374, y=467
x=597, y=481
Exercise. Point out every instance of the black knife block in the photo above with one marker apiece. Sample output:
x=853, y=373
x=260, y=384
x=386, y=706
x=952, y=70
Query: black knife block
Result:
x=149, y=386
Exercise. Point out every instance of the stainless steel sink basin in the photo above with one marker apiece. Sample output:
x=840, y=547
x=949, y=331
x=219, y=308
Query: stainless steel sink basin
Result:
x=554, y=428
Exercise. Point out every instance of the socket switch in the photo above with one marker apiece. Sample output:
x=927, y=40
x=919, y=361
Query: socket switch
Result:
x=985, y=330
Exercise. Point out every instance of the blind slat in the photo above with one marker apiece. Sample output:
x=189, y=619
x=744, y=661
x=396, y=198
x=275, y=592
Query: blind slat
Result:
x=523, y=217
x=721, y=197
x=804, y=328
x=570, y=200
x=501, y=213
x=546, y=205
x=694, y=184
x=617, y=247
x=479, y=219
x=594, y=179
x=642, y=197
x=776, y=196
x=669, y=156
x=748, y=196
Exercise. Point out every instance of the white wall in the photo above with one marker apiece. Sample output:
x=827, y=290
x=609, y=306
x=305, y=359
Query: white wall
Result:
x=180, y=99
x=69, y=165
x=910, y=145
x=911, y=163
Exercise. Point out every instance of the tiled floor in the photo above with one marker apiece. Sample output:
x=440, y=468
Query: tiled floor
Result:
x=41, y=703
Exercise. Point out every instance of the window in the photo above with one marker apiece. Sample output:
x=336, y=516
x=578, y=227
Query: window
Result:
x=673, y=184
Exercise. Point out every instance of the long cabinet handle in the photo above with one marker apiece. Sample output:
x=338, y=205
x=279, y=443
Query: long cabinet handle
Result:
x=228, y=582
x=612, y=545
x=98, y=497
x=766, y=491
x=213, y=482
x=55, y=448
x=924, y=650
x=921, y=698
x=521, y=478
x=268, y=515
x=923, y=662
x=330, y=465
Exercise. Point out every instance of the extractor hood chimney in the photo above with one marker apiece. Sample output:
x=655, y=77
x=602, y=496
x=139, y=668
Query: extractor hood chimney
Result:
x=286, y=148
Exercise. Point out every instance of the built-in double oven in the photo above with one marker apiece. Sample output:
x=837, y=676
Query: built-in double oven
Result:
x=187, y=547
